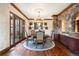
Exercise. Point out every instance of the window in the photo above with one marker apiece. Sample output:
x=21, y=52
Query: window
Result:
x=17, y=28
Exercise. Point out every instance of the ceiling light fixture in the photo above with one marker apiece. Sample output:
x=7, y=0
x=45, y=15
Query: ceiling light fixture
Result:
x=39, y=11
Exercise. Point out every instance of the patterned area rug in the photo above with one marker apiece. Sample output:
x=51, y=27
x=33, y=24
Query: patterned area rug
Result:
x=31, y=46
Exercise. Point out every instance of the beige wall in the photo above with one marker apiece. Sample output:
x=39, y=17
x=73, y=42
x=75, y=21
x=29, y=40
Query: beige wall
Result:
x=4, y=26
x=50, y=25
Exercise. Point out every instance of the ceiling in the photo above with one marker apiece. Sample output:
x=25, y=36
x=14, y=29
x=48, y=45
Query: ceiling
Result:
x=46, y=9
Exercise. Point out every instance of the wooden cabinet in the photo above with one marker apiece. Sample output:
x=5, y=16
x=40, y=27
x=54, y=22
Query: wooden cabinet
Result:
x=70, y=43
x=64, y=40
x=56, y=37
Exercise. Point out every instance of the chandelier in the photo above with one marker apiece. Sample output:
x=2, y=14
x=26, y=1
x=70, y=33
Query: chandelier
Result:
x=39, y=11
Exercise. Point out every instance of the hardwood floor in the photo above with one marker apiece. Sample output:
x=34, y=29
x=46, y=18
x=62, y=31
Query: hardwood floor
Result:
x=19, y=50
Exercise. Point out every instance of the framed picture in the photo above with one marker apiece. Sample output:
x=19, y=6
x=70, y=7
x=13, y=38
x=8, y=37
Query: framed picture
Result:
x=45, y=24
x=30, y=23
x=46, y=28
x=35, y=26
x=30, y=28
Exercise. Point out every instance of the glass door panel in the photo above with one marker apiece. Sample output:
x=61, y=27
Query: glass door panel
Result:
x=11, y=29
x=22, y=25
x=21, y=32
x=17, y=30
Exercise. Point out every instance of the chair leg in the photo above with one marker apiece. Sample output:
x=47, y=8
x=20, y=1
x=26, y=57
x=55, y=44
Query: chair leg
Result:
x=43, y=45
x=27, y=42
x=51, y=41
x=36, y=45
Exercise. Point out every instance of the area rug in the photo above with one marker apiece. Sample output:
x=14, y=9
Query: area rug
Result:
x=31, y=46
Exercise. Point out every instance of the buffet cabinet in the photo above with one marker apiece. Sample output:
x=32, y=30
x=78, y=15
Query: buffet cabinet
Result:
x=69, y=42
x=57, y=37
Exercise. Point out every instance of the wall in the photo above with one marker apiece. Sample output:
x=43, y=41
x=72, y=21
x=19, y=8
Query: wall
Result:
x=63, y=25
x=69, y=16
x=49, y=24
x=4, y=26
x=5, y=23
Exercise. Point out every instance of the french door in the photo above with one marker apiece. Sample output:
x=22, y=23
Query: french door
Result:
x=17, y=29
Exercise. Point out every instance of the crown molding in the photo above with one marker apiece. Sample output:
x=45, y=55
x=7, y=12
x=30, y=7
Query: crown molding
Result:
x=44, y=19
x=18, y=10
x=66, y=8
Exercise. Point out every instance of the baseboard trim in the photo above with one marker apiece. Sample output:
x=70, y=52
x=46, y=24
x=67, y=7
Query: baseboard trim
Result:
x=6, y=49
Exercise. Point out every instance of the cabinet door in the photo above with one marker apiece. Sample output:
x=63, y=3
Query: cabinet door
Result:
x=71, y=44
x=56, y=37
x=64, y=40
x=74, y=45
